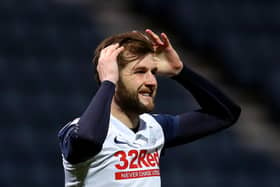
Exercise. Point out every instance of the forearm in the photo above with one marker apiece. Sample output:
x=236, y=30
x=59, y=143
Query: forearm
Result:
x=208, y=96
x=83, y=140
x=93, y=123
x=217, y=112
x=195, y=125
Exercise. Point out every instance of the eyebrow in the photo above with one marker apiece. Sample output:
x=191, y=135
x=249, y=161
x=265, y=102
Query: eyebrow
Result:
x=144, y=68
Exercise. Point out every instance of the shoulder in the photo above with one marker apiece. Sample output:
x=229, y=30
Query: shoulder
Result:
x=168, y=124
x=165, y=122
x=149, y=119
x=152, y=127
x=162, y=119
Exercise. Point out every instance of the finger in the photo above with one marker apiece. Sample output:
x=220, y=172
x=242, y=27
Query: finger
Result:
x=114, y=45
x=118, y=50
x=154, y=37
x=105, y=52
x=109, y=49
x=165, y=39
x=112, y=48
x=102, y=52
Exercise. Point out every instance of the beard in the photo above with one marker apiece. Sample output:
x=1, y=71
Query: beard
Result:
x=129, y=101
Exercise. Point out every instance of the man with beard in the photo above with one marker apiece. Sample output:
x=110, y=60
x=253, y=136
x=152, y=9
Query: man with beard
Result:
x=117, y=142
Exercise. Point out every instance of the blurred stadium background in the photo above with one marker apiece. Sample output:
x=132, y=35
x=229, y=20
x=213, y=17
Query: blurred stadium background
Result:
x=47, y=79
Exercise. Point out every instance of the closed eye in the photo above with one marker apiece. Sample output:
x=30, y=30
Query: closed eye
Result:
x=140, y=71
x=145, y=70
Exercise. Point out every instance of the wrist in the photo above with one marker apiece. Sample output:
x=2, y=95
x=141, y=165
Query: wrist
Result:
x=178, y=70
x=113, y=79
x=182, y=71
x=108, y=83
x=109, y=80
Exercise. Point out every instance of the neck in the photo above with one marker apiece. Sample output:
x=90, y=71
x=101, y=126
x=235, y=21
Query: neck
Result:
x=130, y=119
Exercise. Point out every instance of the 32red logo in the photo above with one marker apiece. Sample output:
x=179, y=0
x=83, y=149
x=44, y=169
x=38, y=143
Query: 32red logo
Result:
x=136, y=159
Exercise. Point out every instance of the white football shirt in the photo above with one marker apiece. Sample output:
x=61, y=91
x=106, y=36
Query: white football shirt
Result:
x=127, y=159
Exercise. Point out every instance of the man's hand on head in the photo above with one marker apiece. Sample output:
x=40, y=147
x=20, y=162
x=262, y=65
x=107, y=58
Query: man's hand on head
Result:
x=107, y=67
x=170, y=63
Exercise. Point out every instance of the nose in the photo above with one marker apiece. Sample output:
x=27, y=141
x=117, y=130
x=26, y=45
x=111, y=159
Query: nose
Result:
x=150, y=79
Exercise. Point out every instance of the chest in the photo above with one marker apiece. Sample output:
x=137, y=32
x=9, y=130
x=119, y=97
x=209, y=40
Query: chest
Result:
x=131, y=156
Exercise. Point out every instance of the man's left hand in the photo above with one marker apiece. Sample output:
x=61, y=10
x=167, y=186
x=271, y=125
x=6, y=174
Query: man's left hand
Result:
x=169, y=63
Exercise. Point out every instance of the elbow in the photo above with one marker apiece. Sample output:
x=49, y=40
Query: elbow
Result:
x=80, y=150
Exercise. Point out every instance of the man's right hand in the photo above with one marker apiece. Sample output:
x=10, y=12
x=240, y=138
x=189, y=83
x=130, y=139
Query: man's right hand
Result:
x=107, y=66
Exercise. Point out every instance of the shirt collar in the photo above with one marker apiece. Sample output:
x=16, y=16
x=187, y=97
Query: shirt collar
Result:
x=141, y=134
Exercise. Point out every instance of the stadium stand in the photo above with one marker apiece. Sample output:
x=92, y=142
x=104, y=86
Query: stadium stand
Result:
x=45, y=48
x=243, y=35
x=46, y=80
x=242, y=38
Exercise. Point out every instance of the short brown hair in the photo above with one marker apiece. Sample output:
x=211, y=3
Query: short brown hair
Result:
x=136, y=45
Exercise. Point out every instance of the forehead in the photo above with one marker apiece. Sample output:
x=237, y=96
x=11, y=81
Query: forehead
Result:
x=149, y=61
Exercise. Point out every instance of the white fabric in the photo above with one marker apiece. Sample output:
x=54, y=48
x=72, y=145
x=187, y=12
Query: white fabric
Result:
x=127, y=159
